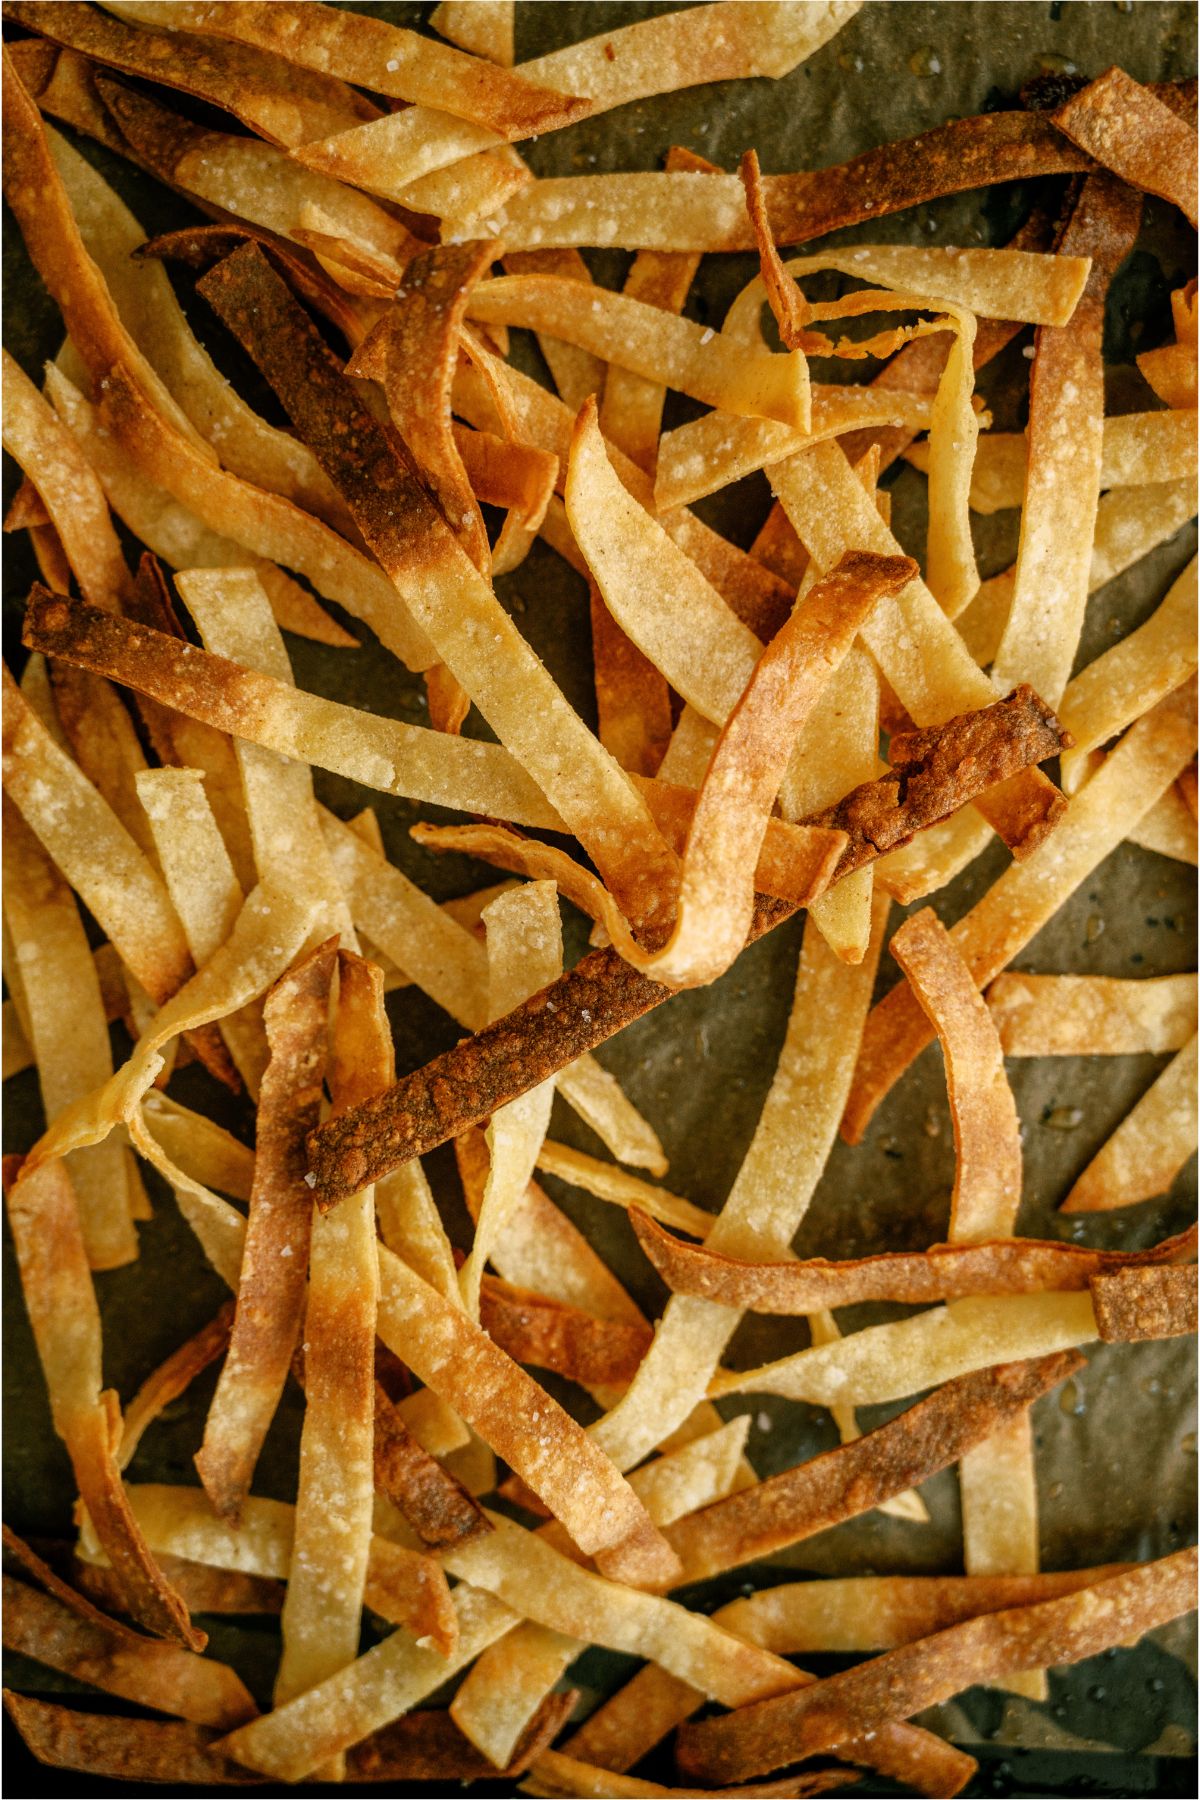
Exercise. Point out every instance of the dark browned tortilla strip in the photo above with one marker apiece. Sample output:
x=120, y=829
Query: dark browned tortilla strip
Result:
x=436, y=1505
x=202, y=1587
x=603, y=993
x=32, y=1564
x=937, y=1431
x=943, y=1272
x=1134, y=1304
x=552, y=1335
x=813, y=1720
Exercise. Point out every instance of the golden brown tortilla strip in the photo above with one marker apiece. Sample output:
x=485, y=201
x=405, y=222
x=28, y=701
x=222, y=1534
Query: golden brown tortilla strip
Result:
x=903, y=1681
x=1149, y=1146
x=1128, y=129
x=428, y=1746
x=1092, y=1015
x=203, y=1588
x=18, y=1552
x=145, y=1670
x=483, y=30
x=1171, y=370
x=576, y=372
x=943, y=1272
x=275, y=1259
x=532, y=1329
x=633, y=701
x=436, y=1505
x=845, y=1482
x=1133, y=1305
x=557, y=1775
x=987, y=1133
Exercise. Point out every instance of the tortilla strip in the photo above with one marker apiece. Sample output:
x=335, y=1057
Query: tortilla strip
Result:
x=172, y=1378
x=483, y=30
x=275, y=1260
x=147, y=1672
x=915, y=1676
x=633, y=701
x=1092, y=1015
x=687, y=212
x=513, y=690
x=943, y=1272
x=1151, y=1144
x=408, y=1121
x=1127, y=129
x=987, y=1141
x=124, y=1749
x=204, y=1589
x=998, y=926
x=61, y=1303
x=918, y=651
x=854, y=1478
x=1171, y=370
x=1138, y=449
x=608, y=1181
x=1134, y=1305
x=17, y=1552
x=436, y=1505
x=648, y=57
x=531, y=1329
x=576, y=372
x=1062, y=491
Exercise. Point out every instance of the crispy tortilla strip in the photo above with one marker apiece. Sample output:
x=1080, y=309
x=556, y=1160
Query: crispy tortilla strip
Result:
x=149, y=1673
x=1138, y=449
x=100, y=736
x=436, y=1505
x=19, y=1553
x=525, y=954
x=65, y=1021
x=1171, y=370
x=1149, y=1146
x=531, y=1329
x=1062, y=490
x=61, y=1302
x=1127, y=129
x=564, y=1775
x=172, y=1378
x=987, y=1138
x=607, y=1181
x=428, y=1746
x=1136, y=1304
x=1143, y=765
x=97, y=1744
x=577, y=373
x=690, y=212
x=93, y=850
x=450, y=600
x=918, y=651
x=648, y=57
x=845, y=1482
x=633, y=701
x=275, y=1261
x=905, y=1680
x=943, y=1272
x=208, y=1152
x=331, y=1537
x=488, y=30
x=551, y=1029
x=1092, y=1015
x=205, y=1589
x=653, y=343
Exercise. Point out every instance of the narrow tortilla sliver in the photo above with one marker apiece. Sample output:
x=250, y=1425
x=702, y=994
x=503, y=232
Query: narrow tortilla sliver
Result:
x=1149, y=1146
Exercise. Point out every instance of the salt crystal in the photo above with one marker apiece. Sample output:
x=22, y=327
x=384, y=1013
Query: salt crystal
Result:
x=764, y=1421
x=392, y=66
x=707, y=335
x=311, y=1180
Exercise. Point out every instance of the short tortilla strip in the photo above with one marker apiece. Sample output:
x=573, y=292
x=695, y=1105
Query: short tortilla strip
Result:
x=1129, y=130
x=1149, y=1147
x=1092, y=1015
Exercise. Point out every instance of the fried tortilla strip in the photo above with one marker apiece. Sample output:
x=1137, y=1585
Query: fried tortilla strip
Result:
x=856, y=1477
x=689, y=212
x=173, y=1378
x=1171, y=370
x=576, y=372
x=1127, y=129
x=557, y=1775
x=63, y=1313
x=1149, y=1146
x=904, y=1681
x=270, y=1294
x=996, y=928
x=205, y=1589
x=1138, y=449
x=607, y=1181
x=987, y=1140
x=531, y=1329
x=655, y=344
x=1062, y=490
x=451, y=601
x=19, y=1553
x=651, y=56
x=65, y=1019
x=633, y=701
x=439, y=1508
x=147, y=1672
x=1133, y=1305
x=1092, y=1015
x=97, y=1744
x=428, y=1746
x=918, y=651
x=483, y=30
x=89, y=845
x=415, y=1115
x=943, y=1272
x=212, y=1154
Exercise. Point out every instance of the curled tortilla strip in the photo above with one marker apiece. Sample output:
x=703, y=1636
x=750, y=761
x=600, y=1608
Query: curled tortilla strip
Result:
x=63, y=1313
x=987, y=1134
x=172, y=1378
x=854, y=1478
x=1134, y=1305
x=1129, y=130
x=997, y=927
x=943, y=1272
x=1092, y=1015
x=906, y=1680
x=1171, y=370
x=449, y=599
x=653, y=343
x=65, y=1019
x=603, y=993
x=689, y=212
x=651, y=56
x=1138, y=449
x=1149, y=1146
x=563, y=1775
x=147, y=1672
x=274, y=1263
x=1062, y=491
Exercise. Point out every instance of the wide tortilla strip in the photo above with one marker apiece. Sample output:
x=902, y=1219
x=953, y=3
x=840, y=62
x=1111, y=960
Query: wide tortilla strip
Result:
x=901, y=1682
x=943, y=1272
x=853, y=1479
x=602, y=993
x=1128, y=129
